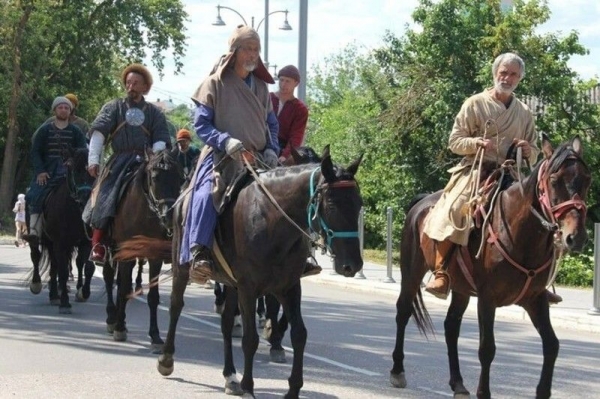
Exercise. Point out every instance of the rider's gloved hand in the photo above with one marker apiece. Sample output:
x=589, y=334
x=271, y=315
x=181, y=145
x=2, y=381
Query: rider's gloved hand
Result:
x=233, y=147
x=270, y=158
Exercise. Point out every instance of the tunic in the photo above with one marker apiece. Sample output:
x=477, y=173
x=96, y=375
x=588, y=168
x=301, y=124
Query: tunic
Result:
x=47, y=156
x=292, y=118
x=447, y=220
x=128, y=142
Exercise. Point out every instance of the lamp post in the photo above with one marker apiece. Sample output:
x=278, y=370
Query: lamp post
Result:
x=284, y=26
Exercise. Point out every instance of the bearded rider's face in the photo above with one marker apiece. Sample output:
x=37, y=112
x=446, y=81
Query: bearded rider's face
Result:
x=507, y=78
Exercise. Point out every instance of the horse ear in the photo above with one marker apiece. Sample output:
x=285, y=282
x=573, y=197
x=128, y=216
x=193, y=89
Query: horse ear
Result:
x=577, y=145
x=327, y=168
x=546, y=146
x=353, y=168
x=325, y=152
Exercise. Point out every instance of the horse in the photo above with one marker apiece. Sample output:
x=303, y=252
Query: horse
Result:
x=263, y=238
x=531, y=222
x=64, y=233
x=144, y=208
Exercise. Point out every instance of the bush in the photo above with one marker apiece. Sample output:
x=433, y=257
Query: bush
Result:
x=577, y=269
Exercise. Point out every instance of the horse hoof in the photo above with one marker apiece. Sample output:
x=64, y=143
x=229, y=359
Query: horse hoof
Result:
x=165, y=365
x=277, y=355
x=55, y=302
x=398, y=380
x=65, y=310
x=35, y=288
x=110, y=328
x=79, y=296
x=120, y=336
x=233, y=387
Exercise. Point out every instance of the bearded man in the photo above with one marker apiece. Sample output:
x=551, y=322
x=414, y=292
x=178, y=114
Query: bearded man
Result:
x=47, y=157
x=492, y=120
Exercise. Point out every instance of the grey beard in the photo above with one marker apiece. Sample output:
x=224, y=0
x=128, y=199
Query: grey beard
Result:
x=250, y=67
x=498, y=86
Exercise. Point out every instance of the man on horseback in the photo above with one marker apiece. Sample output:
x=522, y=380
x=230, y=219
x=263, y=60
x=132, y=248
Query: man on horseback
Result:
x=50, y=140
x=185, y=153
x=130, y=125
x=487, y=125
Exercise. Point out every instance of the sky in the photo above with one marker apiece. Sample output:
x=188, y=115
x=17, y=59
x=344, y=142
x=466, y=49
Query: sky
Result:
x=332, y=25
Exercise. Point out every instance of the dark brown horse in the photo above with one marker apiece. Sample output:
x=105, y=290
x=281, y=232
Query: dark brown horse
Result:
x=530, y=223
x=267, y=252
x=146, y=208
x=64, y=233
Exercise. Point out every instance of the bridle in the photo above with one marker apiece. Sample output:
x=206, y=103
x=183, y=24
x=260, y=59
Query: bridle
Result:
x=314, y=216
x=160, y=206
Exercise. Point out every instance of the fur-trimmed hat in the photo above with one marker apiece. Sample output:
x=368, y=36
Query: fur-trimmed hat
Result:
x=290, y=71
x=139, y=69
x=184, y=134
x=61, y=100
x=73, y=98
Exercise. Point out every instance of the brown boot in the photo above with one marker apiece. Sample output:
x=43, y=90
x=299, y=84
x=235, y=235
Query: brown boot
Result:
x=311, y=268
x=201, y=269
x=553, y=298
x=440, y=286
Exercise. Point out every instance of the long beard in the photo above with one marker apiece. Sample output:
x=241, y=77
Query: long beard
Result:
x=504, y=89
x=250, y=66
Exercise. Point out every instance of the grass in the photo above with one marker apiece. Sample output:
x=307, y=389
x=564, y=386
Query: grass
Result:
x=380, y=257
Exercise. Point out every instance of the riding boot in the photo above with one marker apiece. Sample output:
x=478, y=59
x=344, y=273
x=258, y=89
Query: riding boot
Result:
x=311, y=268
x=553, y=297
x=202, y=264
x=440, y=286
x=34, y=230
x=98, y=254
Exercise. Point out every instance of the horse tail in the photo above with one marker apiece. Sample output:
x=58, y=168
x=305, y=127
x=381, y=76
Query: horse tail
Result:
x=144, y=247
x=421, y=315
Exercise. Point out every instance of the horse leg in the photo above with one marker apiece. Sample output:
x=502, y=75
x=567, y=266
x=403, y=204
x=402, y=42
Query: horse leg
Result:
x=292, y=310
x=86, y=270
x=260, y=311
x=247, y=307
x=108, y=274
x=53, y=281
x=230, y=305
x=125, y=269
x=63, y=265
x=272, y=332
x=452, y=332
x=181, y=277
x=153, y=301
x=486, y=313
x=219, y=298
x=36, y=280
x=538, y=311
x=139, y=290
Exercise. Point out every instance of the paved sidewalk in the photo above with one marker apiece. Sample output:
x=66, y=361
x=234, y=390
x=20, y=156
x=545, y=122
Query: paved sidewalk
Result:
x=572, y=313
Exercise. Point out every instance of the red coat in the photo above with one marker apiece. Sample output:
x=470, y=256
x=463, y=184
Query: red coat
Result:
x=292, y=123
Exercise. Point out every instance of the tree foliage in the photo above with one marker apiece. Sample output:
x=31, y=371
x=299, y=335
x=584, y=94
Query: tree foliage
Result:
x=398, y=102
x=57, y=46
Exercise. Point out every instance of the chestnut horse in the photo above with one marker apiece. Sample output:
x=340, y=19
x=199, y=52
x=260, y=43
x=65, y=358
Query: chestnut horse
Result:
x=145, y=208
x=531, y=222
x=264, y=239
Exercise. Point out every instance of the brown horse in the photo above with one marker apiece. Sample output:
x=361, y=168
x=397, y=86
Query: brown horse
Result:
x=530, y=223
x=264, y=238
x=64, y=233
x=145, y=208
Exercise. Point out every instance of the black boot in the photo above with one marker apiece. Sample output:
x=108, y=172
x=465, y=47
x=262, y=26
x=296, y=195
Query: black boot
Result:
x=311, y=268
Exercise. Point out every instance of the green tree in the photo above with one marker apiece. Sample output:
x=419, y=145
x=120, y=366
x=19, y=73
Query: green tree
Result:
x=52, y=47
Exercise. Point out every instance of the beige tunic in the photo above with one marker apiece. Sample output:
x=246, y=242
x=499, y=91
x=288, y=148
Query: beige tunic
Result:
x=481, y=116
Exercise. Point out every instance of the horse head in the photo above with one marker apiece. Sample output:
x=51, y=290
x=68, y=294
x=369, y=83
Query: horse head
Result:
x=164, y=177
x=334, y=213
x=563, y=183
x=79, y=180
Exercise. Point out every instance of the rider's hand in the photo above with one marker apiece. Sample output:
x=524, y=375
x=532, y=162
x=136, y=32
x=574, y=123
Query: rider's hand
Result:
x=42, y=178
x=233, y=147
x=93, y=170
x=270, y=158
x=525, y=147
x=486, y=144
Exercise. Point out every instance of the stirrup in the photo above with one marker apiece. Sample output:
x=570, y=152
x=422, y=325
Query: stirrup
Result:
x=98, y=254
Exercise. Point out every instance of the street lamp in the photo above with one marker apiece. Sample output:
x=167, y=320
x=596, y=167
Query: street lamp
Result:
x=284, y=26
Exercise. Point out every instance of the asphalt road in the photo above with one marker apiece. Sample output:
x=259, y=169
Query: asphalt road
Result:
x=348, y=353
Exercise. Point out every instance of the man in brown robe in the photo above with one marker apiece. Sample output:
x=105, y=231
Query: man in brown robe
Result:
x=493, y=120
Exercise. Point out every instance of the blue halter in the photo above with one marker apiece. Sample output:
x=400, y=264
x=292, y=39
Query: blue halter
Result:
x=313, y=213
